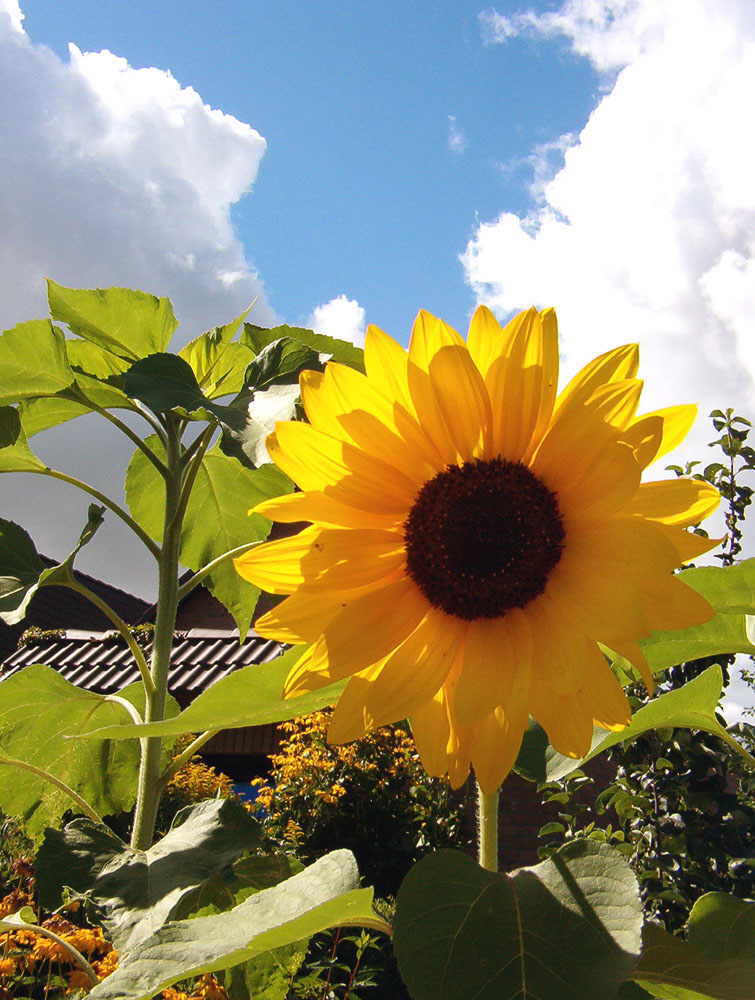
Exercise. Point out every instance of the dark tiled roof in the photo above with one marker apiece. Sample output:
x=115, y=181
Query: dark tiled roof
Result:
x=100, y=661
x=59, y=607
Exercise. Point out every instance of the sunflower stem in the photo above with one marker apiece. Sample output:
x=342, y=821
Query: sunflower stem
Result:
x=487, y=814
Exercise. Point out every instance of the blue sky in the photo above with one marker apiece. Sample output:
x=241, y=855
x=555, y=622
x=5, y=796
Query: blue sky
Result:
x=351, y=163
x=358, y=192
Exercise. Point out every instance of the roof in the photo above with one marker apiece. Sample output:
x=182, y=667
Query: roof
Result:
x=101, y=661
x=60, y=607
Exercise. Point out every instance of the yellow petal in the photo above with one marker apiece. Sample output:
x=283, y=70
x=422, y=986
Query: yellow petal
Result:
x=431, y=731
x=300, y=618
x=429, y=334
x=671, y=604
x=687, y=544
x=603, y=693
x=276, y=566
x=310, y=672
x=462, y=401
x=567, y=721
x=485, y=340
x=319, y=462
x=644, y=437
x=519, y=385
x=497, y=653
x=613, y=366
x=294, y=507
x=496, y=741
x=385, y=361
x=606, y=486
x=352, y=719
x=372, y=626
x=632, y=651
x=413, y=673
x=677, y=423
x=674, y=501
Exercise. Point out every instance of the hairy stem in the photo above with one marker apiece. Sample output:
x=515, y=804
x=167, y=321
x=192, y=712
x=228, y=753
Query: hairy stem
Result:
x=195, y=580
x=66, y=945
x=149, y=787
x=487, y=804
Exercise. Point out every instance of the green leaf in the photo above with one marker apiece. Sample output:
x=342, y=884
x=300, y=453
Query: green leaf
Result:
x=39, y=711
x=251, y=696
x=322, y=896
x=22, y=572
x=216, y=519
x=161, y=382
x=530, y=762
x=257, y=338
x=692, y=706
x=20, y=918
x=566, y=928
x=279, y=363
x=33, y=362
x=15, y=453
x=129, y=323
x=218, y=362
x=139, y=891
x=721, y=926
x=731, y=591
x=672, y=969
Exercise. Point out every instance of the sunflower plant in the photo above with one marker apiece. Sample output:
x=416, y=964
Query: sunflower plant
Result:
x=482, y=558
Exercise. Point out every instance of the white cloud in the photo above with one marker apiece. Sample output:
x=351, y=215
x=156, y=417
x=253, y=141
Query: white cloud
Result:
x=340, y=317
x=646, y=232
x=111, y=176
x=457, y=140
x=118, y=176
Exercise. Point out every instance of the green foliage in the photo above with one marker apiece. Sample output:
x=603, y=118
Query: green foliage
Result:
x=139, y=891
x=39, y=711
x=342, y=351
x=125, y=322
x=371, y=796
x=493, y=935
x=251, y=696
x=215, y=519
x=318, y=897
x=15, y=453
x=22, y=572
x=33, y=362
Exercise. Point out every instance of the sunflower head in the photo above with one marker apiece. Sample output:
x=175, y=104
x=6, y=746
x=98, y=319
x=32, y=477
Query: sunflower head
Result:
x=476, y=538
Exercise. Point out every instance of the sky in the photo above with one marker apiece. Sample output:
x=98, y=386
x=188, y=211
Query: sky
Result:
x=340, y=164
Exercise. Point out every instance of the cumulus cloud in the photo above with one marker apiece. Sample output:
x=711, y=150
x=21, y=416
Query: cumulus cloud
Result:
x=457, y=140
x=118, y=176
x=112, y=175
x=645, y=231
x=341, y=317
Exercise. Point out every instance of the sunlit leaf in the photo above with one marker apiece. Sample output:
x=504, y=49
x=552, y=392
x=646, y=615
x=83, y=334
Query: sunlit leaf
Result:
x=692, y=706
x=129, y=323
x=15, y=453
x=33, y=362
x=216, y=518
x=566, y=928
x=218, y=362
x=323, y=895
x=672, y=969
x=139, y=891
x=39, y=710
x=257, y=338
x=279, y=363
x=252, y=696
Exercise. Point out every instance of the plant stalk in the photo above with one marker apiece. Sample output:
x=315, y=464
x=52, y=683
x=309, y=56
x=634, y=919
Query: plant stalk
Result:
x=81, y=803
x=487, y=806
x=150, y=786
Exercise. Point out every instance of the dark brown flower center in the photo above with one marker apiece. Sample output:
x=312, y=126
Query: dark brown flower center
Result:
x=482, y=538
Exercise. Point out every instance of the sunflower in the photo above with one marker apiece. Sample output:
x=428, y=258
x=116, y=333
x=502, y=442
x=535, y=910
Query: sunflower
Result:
x=477, y=539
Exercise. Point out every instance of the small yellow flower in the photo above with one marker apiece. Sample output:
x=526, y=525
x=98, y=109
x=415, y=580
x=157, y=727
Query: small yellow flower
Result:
x=475, y=536
x=8, y=966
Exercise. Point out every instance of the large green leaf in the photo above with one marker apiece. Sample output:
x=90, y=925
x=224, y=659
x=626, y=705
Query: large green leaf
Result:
x=251, y=696
x=323, y=895
x=39, y=711
x=568, y=928
x=731, y=591
x=279, y=363
x=692, y=706
x=216, y=519
x=22, y=572
x=128, y=323
x=161, y=382
x=257, y=338
x=672, y=969
x=218, y=361
x=15, y=453
x=722, y=926
x=33, y=362
x=139, y=891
